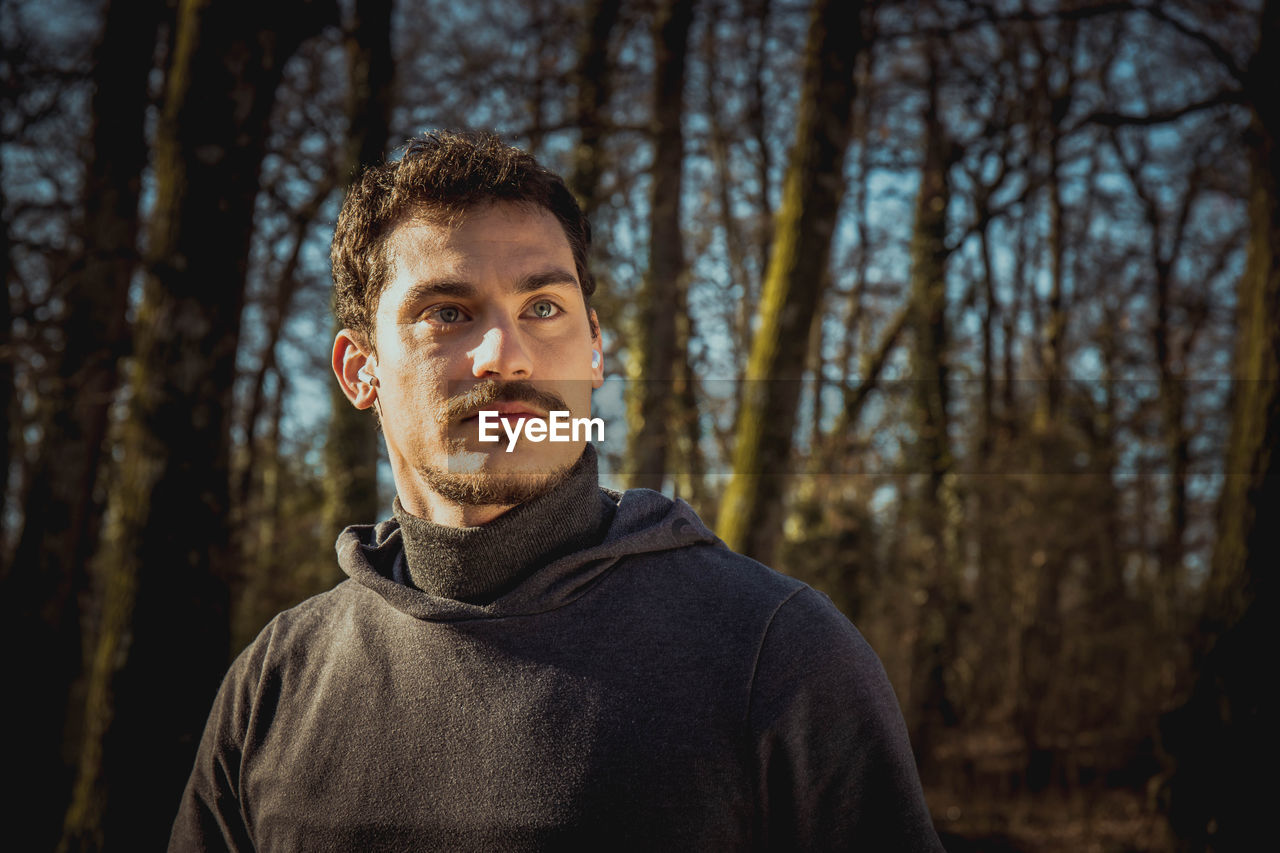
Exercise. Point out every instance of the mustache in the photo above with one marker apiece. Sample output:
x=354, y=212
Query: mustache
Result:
x=490, y=391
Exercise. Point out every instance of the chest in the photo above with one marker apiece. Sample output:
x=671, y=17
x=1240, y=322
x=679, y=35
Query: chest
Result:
x=466, y=739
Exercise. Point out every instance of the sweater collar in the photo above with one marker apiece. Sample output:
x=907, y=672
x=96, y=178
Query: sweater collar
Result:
x=479, y=564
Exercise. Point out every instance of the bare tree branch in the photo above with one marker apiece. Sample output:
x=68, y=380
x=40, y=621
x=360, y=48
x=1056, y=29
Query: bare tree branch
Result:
x=986, y=16
x=1110, y=119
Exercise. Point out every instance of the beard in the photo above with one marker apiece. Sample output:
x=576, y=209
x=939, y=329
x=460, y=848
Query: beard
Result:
x=491, y=488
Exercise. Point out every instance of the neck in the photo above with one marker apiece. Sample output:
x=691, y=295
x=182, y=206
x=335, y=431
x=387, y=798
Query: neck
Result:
x=446, y=513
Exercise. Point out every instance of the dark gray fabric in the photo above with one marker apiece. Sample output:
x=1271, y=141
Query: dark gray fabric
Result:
x=653, y=692
x=477, y=564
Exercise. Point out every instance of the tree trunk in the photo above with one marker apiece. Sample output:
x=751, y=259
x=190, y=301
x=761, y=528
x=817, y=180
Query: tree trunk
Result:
x=286, y=287
x=371, y=67
x=269, y=584
x=855, y=319
x=8, y=399
x=653, y=367
x=990, y=316
x=49, y=571
x=593, y=79
x=1042, y=635
x=750, y=514
x=1246, y=538
x=938, y=615
x=1223, y=739
x=1055, y=325
x=759, y=12
x=736, y=312
x=351, y=448
x=165, y=624
x=691, y=467
x=1170, y=359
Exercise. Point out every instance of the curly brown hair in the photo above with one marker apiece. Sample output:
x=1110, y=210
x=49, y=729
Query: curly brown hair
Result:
x=442, y=175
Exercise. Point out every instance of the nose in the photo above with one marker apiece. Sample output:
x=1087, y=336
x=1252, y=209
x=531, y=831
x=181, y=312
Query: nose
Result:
x=500, y=355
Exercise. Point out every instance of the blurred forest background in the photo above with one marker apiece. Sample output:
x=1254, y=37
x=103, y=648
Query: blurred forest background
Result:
x=963, y=312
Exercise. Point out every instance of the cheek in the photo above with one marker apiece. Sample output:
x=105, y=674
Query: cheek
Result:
x=419, y=388
x=577, y=393
x=569, y=356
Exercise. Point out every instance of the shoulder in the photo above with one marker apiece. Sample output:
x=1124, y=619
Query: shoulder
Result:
x=815, y=675
x=808, y=637
x=828, y=732
x=712, y=575
x=305, y=630
x=712, y=563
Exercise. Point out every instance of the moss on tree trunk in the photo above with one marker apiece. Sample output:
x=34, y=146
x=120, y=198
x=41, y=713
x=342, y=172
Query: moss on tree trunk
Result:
x=750, y=512
x=163, y=643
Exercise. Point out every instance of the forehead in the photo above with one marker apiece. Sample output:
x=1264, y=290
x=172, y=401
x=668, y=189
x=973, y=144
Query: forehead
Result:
x=497, y=240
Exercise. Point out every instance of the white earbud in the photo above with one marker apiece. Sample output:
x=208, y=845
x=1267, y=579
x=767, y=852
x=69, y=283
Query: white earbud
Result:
x=595, y=359
x=364, y=374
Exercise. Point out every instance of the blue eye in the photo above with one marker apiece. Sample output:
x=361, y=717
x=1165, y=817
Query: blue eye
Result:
x=447, y=314
x=544, y=309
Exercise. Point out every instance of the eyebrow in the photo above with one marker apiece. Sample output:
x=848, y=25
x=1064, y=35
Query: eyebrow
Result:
x=463, y=289
x=548, y=278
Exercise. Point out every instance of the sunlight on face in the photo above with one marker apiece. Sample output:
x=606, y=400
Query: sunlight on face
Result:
x=486, y=314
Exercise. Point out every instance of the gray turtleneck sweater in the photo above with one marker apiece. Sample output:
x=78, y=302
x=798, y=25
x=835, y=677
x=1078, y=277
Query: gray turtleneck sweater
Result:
x=478, y=564
x=588, y=671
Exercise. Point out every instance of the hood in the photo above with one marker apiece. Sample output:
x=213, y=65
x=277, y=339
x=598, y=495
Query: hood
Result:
x=644, y=522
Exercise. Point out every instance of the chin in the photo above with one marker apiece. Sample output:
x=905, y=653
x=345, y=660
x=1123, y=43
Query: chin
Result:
x=494, y=477
x=528, y=458
x=475, y=482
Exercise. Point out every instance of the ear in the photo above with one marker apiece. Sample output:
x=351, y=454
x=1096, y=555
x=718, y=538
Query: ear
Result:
x=597, y=345
x=349, y=355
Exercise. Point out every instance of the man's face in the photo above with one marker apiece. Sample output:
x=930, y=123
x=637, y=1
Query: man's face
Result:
x=487, y=314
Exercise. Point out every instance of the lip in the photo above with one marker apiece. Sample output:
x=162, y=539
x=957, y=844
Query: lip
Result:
x=507, y=410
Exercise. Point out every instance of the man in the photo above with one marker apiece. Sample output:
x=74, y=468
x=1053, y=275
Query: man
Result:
x=519, y=659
